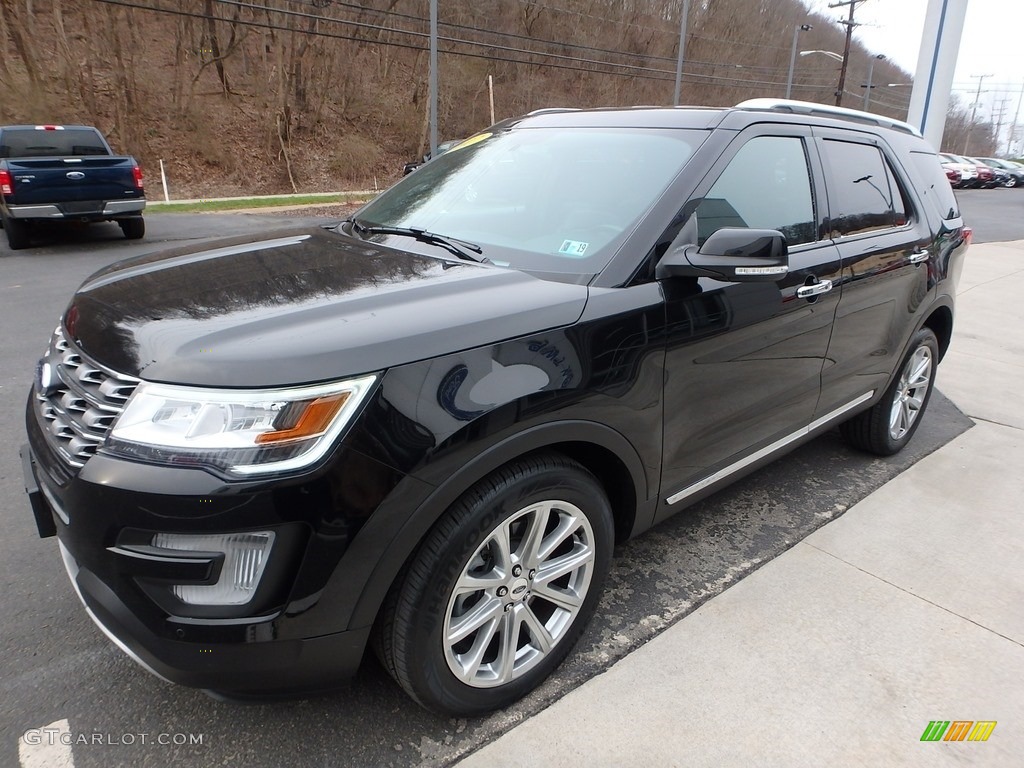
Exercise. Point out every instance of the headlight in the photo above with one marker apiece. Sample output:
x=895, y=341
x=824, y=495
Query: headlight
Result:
x=243, y=432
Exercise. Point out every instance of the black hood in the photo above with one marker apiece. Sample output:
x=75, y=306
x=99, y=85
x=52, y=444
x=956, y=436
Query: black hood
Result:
x=301, y=306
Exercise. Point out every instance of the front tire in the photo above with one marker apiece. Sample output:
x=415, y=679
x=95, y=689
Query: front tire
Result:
x=887, y=427
x=501, y=588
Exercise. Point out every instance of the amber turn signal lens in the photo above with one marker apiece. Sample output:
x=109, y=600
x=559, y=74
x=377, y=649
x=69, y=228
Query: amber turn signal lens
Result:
x=313, y=421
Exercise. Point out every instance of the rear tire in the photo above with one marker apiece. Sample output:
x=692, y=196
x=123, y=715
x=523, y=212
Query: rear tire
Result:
x=134, y=228
x=17, y=234
x=887, y=427
x=500, y=589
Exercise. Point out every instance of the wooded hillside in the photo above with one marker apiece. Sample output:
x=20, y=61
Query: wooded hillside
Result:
x=276, y=96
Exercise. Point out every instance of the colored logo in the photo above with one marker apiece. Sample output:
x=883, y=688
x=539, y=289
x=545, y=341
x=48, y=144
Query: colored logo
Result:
x=958, y=730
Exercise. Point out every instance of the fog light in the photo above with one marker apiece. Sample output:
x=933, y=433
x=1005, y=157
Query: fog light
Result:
x=245, y=558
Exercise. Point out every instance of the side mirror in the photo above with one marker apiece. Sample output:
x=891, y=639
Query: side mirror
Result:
x=731, y=254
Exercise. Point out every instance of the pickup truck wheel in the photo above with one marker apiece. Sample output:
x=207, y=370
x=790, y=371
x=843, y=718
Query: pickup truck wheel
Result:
x=500, y=589
x=134, y=228
x=17, y=234
x=888, y=426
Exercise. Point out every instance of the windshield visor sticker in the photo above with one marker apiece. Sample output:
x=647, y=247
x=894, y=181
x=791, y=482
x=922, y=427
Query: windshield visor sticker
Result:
x=573, y=248
x=471, y=141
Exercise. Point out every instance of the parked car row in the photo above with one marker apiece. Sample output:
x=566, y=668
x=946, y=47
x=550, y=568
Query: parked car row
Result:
x=981, y=173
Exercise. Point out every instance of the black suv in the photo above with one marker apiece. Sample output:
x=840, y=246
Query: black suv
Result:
x=423, y=430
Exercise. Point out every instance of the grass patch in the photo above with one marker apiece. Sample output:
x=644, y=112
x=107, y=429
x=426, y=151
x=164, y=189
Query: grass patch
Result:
x=157, y=206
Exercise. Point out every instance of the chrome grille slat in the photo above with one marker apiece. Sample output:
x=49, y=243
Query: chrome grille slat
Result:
x=94, y=399
x=79, y=413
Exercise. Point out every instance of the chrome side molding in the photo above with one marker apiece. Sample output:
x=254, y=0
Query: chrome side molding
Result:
x=779, y=444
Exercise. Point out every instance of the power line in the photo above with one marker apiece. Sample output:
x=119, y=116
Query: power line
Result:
x=653, y=73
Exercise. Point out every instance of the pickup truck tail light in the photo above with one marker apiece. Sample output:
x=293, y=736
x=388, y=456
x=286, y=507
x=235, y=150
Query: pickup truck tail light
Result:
x=137, y=174
x=6, y=183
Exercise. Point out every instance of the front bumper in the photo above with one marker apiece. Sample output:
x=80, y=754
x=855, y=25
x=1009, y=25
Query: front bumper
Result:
x=276, y=667
x=284, y=642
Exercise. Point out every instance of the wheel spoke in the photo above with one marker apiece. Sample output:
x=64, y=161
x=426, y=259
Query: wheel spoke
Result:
x=470, y=661
x=564, y=599
x=479, y=582
x=920, y=374
x=905, y=418
x=511, y=621
x=894, y=417
x=529, y=548
x=463, y=626
x=567, y=526
x=541, y=637
x=503, y=544
x=553, y=569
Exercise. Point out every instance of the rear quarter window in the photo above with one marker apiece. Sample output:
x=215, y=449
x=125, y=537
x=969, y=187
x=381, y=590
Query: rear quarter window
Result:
x=936, y=190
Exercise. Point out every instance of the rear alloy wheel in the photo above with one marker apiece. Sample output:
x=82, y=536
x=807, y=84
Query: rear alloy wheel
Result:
x=501, y=588
x=888, y=426
x=133, y=228
x=17, y=234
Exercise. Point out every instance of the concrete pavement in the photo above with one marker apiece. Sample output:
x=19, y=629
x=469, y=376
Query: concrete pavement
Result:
x=907, y=609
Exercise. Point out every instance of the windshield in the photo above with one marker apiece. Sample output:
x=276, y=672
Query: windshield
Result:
x=548, y=199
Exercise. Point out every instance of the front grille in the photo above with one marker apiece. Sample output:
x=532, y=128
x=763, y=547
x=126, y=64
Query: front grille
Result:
x=78, y=412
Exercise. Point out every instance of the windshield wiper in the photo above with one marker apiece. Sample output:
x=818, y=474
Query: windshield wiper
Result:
x=453, y=245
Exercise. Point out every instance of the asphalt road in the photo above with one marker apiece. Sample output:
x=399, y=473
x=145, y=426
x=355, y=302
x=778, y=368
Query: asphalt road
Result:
x=58, y=667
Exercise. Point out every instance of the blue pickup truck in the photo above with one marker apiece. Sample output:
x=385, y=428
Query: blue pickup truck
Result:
x=65, y=173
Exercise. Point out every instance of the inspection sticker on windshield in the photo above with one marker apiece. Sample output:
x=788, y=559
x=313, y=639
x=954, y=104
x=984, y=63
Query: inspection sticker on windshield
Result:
x=573, y=247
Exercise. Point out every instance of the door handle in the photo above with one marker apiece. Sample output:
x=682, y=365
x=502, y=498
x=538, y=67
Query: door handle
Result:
x=807, y=291
x=918, y=256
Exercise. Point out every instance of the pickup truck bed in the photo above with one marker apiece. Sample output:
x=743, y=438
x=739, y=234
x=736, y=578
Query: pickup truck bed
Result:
x=68, y=173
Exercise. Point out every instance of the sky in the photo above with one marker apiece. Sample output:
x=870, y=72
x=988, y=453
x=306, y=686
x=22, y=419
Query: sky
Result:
x=989, y=45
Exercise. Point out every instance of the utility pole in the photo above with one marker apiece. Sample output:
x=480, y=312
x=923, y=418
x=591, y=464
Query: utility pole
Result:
x=682, y=51
x=433, y=77
x=850, y=24
x=1016, y=117
x=999, y=120
x=974, y=111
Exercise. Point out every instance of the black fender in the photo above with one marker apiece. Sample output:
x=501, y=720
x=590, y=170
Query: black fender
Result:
x=395, y=530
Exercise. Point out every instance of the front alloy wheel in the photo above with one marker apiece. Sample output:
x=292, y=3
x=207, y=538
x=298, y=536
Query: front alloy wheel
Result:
x=519, y=593
x=500, y=589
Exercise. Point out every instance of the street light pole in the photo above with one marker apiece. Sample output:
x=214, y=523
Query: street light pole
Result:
x=792, y=57
x=871, y=72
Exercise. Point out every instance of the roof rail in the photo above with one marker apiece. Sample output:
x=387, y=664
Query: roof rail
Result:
x=824, y=110
x=547, y=110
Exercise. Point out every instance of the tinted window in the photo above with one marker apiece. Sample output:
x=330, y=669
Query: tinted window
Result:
x=936, y=186
x=29, y=142
x=765, y=186
x=863, y=195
